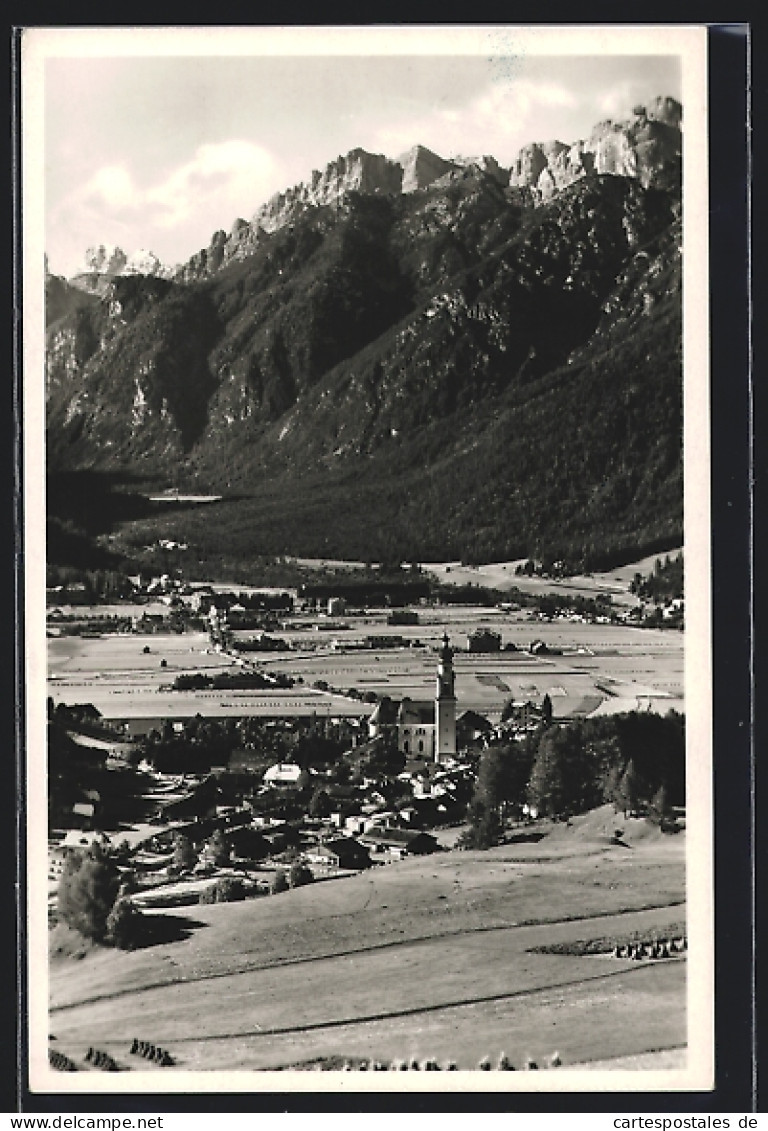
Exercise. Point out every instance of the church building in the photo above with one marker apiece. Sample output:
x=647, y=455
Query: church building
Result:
x=424, y=729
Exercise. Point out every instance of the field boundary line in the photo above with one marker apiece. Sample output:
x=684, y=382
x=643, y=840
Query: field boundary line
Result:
x=412, y=1011
x=279, y=964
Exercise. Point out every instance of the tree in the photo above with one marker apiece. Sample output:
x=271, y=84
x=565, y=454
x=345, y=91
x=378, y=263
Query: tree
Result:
x=87, y=891
x=320, y=805
x=229, y=890
x=627, y=796
x=508, y=710
x=563, y=779
x=503, y=775
x=280, y=882
x=546, y=788
x=546, y=710
x=226, y=890
x=184, y=855
x=611, y=785
x=300, y=875
x=128, y=882
x=248, y=843
x=218, y=849
x=659, y=808
x=124, y=925
x=491, y=787
x=485, y=828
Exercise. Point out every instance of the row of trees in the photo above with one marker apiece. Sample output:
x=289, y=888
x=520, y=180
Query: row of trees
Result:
x=100, y=584
x=94, y=897
x=636, y=761
x=665, y=583
x=228, y=681
x=202, y=742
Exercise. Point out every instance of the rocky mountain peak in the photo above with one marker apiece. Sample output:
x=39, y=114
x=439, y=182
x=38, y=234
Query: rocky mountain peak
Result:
x=488, y=165
x=646, y=147
x=663, y=109
x=105, y=262
x=143, y=262
x=357, y=171
x=105, y=259
x=421, y=167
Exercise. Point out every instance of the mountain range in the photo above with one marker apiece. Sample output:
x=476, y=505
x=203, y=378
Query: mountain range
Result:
x=412, y=359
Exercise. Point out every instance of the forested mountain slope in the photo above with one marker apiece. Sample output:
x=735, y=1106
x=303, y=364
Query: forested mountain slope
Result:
x=463, y=369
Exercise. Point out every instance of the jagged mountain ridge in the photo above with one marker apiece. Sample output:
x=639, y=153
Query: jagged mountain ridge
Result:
x=646, y=146
x=351, y=353
x=105, y=262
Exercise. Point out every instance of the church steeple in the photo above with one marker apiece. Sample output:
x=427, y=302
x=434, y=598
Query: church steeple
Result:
x=445, y=703
x=445, y=679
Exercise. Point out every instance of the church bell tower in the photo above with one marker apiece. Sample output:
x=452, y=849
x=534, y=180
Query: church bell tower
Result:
x=445, y=703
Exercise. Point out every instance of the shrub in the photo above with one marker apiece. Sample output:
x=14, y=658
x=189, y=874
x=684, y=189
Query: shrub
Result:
x=87, y=891
x=184, y=855
x=218, y=849
x=229, y=890
x=300, y=875
x=125, y=925
x=226, y=890
x=280, y=882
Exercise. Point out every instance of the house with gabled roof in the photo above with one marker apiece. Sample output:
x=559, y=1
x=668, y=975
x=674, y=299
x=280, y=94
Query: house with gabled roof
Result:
x=471, y=726
x=397, y=842
x=340, y=852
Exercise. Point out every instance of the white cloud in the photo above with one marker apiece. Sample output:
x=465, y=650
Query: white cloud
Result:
x=230, y=177
x=496, y=121
x=172, y=216
x=617, y=103
x=112, y=186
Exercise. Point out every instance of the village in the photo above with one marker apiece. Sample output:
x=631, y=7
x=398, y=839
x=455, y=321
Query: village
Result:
x=304, y=773
x=307, y=779
x=398, y=784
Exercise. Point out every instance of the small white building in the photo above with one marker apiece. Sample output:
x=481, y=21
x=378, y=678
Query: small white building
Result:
x=283, y=773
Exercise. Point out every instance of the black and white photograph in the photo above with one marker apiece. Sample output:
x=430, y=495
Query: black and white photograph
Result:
x=368, y=678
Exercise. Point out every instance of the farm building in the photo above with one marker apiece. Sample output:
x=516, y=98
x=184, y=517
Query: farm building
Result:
x=484, y=640
x=341, y=852
x=283, y=773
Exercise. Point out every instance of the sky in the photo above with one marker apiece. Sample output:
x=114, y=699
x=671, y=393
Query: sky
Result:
x=157, y=145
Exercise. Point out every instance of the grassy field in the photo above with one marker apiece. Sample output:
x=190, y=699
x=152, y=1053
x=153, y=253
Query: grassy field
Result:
x=502, y=576
x=427, y=957
x=599, y=664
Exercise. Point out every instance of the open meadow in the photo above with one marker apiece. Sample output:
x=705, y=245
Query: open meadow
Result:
x=503, y=576
x=429, y=957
